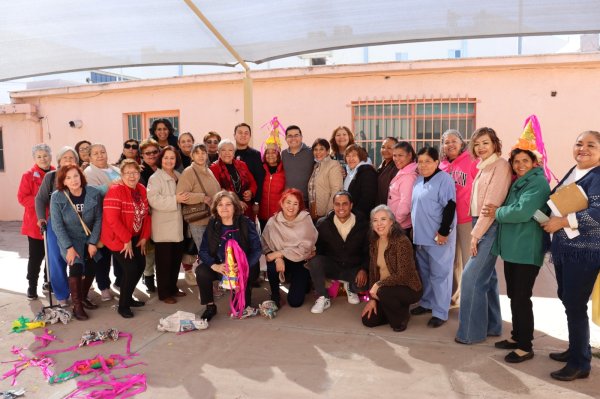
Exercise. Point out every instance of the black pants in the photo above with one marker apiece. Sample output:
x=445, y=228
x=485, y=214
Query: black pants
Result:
x=520, y=279
x=205, y=276
x=132, y=272
x=392, y=306
x=36, y=256
x=167, y=257
x=78, y=269
x=299, y=279
x=322, y=267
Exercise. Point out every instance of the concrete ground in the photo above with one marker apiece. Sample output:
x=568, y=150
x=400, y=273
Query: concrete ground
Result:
x=297, y=354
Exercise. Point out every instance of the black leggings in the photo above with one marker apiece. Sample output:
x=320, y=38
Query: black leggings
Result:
x=78, y=269
x=36, y=256
x=392, y=306
x=132, y=272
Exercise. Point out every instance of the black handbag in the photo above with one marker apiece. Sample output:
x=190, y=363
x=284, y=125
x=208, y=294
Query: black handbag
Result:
x=195, y=212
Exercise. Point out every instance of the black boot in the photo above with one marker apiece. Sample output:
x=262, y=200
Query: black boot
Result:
x=75, y=286
x=32, y=292
x=149, y=282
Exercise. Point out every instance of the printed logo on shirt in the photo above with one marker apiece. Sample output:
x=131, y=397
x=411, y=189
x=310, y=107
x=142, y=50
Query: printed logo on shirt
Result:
x=459, y=177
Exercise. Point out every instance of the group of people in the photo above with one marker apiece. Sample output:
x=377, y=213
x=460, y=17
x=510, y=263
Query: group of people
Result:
x=435, y=223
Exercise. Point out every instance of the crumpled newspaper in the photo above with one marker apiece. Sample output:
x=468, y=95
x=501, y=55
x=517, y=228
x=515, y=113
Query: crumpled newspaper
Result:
x=181, y=321
x=104, y=335
x=54, y=315
x=268, y=309
x=12, y=394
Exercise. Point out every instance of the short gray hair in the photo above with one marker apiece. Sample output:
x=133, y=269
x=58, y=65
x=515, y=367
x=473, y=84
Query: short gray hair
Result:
x=225, y=142
x=63, y=151
x=384, y=208
x=41, y=147
x=455, y=133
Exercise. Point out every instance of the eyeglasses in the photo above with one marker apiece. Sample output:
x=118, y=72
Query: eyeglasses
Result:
x=155, y=152
x=212, y=141
x=128, y=146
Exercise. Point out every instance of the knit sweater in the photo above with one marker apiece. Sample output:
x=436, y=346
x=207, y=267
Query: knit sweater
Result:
x=298, y=167
x=42, y=198
x=400, y=262
x=294, y=239
x=493, y=182
x=586, y=246
x=119, y=215
x=96, y=177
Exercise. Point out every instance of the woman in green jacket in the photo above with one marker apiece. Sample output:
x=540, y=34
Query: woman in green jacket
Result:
x=520, y=243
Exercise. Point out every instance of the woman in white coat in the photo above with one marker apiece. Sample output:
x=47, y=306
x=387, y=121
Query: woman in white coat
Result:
x=167, y=223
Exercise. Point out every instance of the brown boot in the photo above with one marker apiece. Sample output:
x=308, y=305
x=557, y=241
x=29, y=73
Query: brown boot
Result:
x=75, y=286
x=85, y=289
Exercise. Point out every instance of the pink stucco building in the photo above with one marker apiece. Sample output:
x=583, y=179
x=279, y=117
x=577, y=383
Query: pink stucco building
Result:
x=413, y=100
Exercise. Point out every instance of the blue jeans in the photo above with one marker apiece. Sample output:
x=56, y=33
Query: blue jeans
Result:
x=57, y=266
x=575, y=283
x=479, y=314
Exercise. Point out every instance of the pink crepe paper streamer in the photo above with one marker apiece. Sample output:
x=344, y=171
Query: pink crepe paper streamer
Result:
x=115, y=387
x=539, y=142
x=237, y=299
x=45, y=339
x=43, y=363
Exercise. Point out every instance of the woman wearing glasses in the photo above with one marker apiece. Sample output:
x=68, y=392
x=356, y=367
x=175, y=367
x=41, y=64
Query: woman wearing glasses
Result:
x=126, y=227
x=131, y=150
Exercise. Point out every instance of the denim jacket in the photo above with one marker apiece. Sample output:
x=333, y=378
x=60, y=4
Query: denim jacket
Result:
x=67, y=226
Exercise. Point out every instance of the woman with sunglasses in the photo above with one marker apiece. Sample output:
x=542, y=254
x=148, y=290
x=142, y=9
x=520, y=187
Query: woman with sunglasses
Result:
x=131, y=150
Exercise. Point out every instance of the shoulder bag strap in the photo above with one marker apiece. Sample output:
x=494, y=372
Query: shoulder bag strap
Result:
x=199, y=181
x=86, y=230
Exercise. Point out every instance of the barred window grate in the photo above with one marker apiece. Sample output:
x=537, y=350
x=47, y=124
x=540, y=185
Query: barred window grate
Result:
x=419, y=121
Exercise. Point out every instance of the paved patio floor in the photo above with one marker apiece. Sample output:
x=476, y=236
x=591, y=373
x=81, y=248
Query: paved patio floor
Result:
x=297, y=354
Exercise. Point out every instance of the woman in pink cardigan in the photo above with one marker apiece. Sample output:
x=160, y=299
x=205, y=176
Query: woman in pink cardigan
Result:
x=479, y=314
x=401, y=185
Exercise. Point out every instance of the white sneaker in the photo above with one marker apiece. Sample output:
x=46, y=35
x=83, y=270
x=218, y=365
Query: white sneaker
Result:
x=106, y=295
x=190, y=278
x=352, y=296
x=320, y=305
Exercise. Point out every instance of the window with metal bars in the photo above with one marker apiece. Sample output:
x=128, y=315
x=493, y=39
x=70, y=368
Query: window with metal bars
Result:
x=418, y=121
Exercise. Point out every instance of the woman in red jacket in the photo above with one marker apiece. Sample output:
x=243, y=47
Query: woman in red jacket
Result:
x=30, y=184
x=126, y=227
x=234, y=175
x=273, y=185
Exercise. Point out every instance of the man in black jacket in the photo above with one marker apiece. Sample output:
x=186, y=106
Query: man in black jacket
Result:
x=342, y=252
x=242, y=135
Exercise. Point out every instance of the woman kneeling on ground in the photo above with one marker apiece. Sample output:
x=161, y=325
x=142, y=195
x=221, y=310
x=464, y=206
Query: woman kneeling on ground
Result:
x=395, y=282
x=288, y=241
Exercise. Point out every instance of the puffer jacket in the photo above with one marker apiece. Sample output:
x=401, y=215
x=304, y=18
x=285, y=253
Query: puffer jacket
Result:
x=272, y=187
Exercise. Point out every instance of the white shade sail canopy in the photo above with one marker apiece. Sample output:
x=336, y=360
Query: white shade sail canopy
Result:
x=40, y=37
